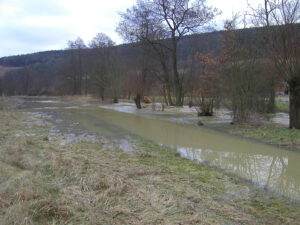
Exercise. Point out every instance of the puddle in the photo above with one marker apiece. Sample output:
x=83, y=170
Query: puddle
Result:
x=48, y=101
x=71, y=138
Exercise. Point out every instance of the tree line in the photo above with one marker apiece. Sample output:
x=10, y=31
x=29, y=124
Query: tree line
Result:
x=237, y=69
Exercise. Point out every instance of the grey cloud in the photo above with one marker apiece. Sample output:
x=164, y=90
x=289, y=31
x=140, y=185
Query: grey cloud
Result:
x=26, y=39
x=16, y=38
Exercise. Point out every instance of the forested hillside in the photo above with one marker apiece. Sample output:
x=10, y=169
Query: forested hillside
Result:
x=45, y=72
x=29, y=59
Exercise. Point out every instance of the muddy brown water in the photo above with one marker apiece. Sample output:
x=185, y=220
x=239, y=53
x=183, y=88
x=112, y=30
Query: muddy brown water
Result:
x=266, y=166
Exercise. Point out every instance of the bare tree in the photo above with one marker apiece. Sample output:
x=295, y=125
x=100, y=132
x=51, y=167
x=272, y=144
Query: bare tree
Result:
x=244, y=78
x=153, y=21
x=282, y=19
x=209, y=84
x=137, y=25
x=104, y=66
x=76, y=60
x=101, y=40
x=262, y=17
x=100, y=61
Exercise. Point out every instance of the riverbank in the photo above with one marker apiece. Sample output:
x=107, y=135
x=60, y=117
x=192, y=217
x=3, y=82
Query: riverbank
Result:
x=267, y=133
x=46, y=178
x=275, y=131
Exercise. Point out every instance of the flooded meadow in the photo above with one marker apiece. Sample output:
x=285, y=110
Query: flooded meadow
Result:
x=268, y=167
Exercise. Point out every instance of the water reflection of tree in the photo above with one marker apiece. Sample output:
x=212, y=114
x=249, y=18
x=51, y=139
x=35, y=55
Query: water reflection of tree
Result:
x=284, y=176
x=276, y=173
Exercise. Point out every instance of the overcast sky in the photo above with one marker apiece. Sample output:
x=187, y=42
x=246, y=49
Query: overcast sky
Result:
x=28, y=26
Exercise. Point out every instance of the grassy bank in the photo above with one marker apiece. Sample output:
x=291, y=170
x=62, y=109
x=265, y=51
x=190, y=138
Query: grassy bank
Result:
x=268, y=133
x=46, y=180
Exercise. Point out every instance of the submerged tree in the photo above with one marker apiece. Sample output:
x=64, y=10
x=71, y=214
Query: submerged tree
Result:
x=155, y=21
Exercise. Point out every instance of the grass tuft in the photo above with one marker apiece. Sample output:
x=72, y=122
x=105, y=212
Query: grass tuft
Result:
x=49, y=209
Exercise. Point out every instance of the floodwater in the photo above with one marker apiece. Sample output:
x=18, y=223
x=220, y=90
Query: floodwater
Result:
x=268, y=167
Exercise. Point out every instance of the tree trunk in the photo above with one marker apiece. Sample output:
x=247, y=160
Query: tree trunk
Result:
x=294, y=88
x=129, y=95
x=80, y=72
x=137, y=101
x=166, y=80
x=101, y=93
x=178, y=91
x=86, y=85
x=168, y=90
x=165, y=94
x=271, y=103
x=74, y=85
x=177, y=82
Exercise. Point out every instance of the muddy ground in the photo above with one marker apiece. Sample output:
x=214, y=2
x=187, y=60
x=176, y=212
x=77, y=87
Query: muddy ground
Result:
x=53, y=178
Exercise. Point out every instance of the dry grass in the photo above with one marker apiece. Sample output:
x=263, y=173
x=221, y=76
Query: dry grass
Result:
x=9, y=102
x=43, y=182
x=80, y=98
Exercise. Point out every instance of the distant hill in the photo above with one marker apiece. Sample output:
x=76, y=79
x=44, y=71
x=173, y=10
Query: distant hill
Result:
x=56, y=72
x=203, y=42
x=33, y=58
x=207, y=42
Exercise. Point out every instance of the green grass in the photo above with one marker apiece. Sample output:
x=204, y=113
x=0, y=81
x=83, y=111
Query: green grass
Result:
x=271, y=134
x=159, y=156
x=282, y=106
